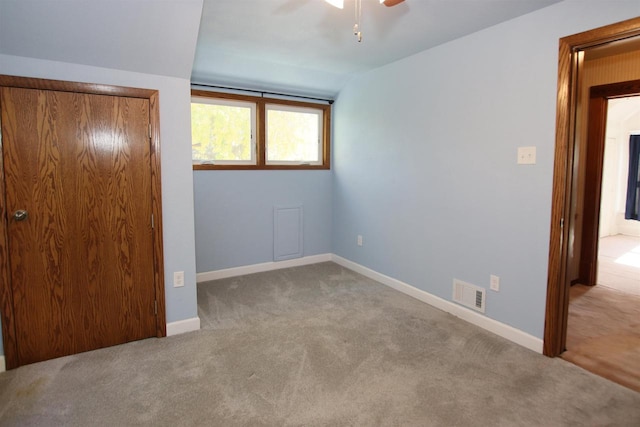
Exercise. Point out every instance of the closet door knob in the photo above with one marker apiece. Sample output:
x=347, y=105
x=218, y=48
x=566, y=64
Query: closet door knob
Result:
x=20, y=215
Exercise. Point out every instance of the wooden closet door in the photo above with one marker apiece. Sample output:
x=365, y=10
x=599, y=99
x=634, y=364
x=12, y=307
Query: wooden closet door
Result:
x=81, y=261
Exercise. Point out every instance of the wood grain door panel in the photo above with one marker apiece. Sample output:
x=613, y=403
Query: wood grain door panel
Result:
x=81, y=264
x=592, y=190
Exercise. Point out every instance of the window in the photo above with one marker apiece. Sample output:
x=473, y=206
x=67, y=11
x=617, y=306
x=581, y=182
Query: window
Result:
x=294, y=135
x=223, y=131
x=231, y=131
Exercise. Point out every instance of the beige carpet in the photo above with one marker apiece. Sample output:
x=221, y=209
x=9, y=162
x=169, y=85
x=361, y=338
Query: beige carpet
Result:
x=314, y=346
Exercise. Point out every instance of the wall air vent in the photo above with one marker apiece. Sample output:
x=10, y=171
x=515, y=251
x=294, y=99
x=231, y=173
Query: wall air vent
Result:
x=469, y=295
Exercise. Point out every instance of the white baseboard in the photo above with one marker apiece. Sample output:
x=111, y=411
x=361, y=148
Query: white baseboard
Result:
x=259, y=268
x=3, y=367
x=182, y=326
x=508, y=332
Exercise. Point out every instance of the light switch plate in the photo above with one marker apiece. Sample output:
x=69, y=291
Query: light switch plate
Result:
x=526, y=155
x=494, y=283
x=178, y=279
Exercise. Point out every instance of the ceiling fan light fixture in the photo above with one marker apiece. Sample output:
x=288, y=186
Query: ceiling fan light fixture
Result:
x=336, y=3
x=390, y=3
x=358, y=9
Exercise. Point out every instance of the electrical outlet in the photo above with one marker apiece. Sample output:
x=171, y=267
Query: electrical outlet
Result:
x=494, y=283
x=359, y=240
x=526, y=155
x=178, y=279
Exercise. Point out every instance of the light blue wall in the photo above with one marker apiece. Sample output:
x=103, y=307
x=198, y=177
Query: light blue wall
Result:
x=177, y=178
x=425, y=161
x=234, y=214
x=424, y=168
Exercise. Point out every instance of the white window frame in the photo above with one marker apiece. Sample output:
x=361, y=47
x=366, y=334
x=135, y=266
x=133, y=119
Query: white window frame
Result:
x=294, y=109
x=231, y=103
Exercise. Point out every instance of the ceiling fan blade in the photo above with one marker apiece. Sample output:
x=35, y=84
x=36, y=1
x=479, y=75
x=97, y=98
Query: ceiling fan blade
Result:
x=390, y=3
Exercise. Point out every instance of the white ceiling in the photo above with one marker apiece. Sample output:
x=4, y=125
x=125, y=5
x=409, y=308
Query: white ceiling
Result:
x=308, y=46
x=295, y=46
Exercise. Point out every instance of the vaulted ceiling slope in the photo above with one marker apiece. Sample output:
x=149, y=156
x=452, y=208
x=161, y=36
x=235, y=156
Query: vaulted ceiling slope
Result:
x=304, y=47
x=308, y=46
x=152, y=37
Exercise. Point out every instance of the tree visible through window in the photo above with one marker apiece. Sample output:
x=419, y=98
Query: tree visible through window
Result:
x=294, y=135
x=222, y=131
x=244, y=132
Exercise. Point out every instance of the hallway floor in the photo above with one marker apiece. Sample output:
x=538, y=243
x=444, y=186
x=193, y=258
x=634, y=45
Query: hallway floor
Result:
x=603, y=333
x=619, y=263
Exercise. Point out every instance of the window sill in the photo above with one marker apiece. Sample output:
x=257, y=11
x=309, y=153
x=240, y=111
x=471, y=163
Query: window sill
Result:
x=260, y=167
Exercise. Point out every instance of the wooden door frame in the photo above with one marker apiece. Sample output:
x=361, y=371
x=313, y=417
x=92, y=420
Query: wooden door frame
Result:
x=597, y=124
x=597, y=127
x=569, y=64
x=6, y=303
